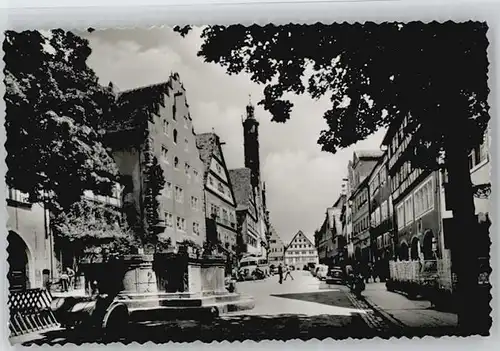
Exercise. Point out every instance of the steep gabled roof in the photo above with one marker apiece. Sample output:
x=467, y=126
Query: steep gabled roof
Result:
x=298, y=234
x=208, y=145
x=242, y=187
x=274, y=234
x=133, y=107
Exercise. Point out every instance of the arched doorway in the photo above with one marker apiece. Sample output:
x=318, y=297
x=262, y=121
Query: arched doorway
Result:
x=427, y=246
x=414, y=249
x=18, y=260
x=403, y=251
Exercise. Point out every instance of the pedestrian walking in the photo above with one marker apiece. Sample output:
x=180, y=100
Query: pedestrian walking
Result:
x=366, y=273
x=71, y=277
x=288, y=273
x=64, y=280
x=280, y=273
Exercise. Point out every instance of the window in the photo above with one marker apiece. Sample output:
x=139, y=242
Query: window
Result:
x=225, y=216
x=179, y=194
x=409, y=210
x=186, y=145
x=169, y=220
x=400, y=216
x=424, y=198
x=166, y=127
x=176, y=162
x=383, y=211
x=186, y=122
x=218, y=168
x=175, y=136
x=215, y=210
x=196, y=228
x=181, y=224
x=194, y=203
x=168, y=190
x=383, y=176
x=186, y=169
x=220, y=187
x=377, y=216
x=211, y=181
x=232, y=219
x=174, y=108
x=196, y=175
x=164, y=154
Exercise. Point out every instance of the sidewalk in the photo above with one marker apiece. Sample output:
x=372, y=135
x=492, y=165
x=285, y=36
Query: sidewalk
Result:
x=407, y=313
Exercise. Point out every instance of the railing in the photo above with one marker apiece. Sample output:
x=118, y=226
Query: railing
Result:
x=30, y=311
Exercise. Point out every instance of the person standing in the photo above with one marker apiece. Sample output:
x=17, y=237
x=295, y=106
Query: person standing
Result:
x=288, y=273
x=71, y=277
x=280, y=273
x=64, y=279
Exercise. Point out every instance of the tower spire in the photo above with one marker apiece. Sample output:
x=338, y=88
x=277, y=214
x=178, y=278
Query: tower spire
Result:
x=251, y=143
x=250, y=108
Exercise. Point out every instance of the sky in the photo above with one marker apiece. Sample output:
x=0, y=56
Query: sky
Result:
x=301, y=180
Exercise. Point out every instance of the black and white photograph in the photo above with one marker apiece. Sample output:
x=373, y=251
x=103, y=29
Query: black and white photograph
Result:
x=248, y=182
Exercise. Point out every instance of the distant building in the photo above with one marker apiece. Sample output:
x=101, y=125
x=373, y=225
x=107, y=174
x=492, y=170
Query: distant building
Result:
x=359, y=170
x=381, y=211
x=153, y=122
x=30, y=246
x=220, y=203
x=253, y=217
x=331, y=241
x=246, y=212
x=252, y=162
x=276, y=248
x=300, y=251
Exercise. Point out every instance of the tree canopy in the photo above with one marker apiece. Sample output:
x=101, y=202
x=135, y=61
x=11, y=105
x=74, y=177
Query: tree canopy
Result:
x=54, y=105
x=90, y=228
x=372, y=73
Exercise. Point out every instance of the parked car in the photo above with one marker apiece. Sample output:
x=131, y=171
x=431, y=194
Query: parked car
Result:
x=321, y=272
x=311, y=267
x=317, y=268
x=335, y=275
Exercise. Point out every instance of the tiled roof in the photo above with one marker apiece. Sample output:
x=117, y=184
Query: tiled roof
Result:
x=242, y=187
x=206, y=144
x=133, y=107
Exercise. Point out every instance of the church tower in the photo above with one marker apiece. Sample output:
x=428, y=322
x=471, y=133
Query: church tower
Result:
x=251, y=143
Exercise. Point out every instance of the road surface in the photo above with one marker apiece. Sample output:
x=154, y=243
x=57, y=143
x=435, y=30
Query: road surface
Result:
x=301, y=308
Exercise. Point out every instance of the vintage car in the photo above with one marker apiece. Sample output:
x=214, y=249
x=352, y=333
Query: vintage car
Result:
x=321, y=272
x=335, y=276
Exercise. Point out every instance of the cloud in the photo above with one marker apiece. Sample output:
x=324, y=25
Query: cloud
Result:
x=301, y=180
